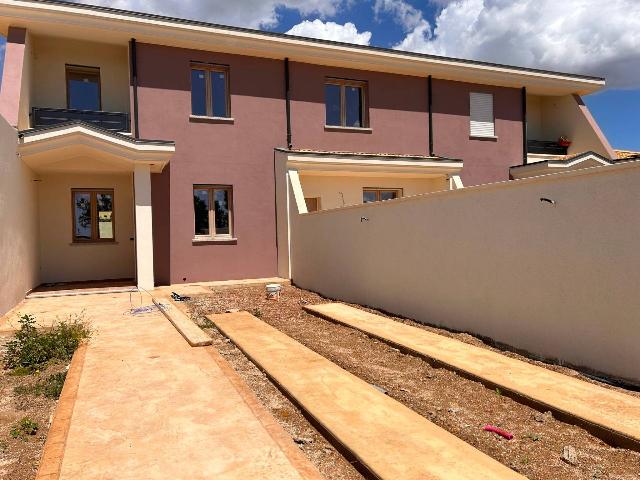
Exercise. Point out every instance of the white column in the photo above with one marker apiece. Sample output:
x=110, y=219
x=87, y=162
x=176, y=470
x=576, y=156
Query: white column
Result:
x=144, y=231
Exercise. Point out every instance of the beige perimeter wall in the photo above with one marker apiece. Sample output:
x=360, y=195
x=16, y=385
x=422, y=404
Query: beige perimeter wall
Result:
x=560, y=281
x=18, y=223
x=64, y=261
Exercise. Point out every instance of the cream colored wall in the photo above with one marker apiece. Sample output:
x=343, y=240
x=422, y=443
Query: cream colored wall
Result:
x=63, y=261
x=559, y=281
x=18, y=223
x=50, y=57
x=565, y=116
x=331, y=189
x=534, y=118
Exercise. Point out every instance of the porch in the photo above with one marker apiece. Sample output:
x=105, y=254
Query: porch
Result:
x=93, y=191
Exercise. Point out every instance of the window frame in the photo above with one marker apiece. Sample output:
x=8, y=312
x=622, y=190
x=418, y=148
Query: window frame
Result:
x=209, y=68
x=364, y=94
x=211, y=211
x=318, y=204
x=379, y=190
x=70, y=68
x=93, y=192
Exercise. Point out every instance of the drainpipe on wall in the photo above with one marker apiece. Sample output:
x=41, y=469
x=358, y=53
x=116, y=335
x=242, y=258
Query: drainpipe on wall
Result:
x=430, y=93
x=287, y=101
x=134, y=84
x=524, y=125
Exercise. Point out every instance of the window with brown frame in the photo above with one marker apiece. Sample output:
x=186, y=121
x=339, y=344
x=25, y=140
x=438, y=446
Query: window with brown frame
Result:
x=93, y=215
x=210, y=91
x=313, y=204
x=380, y=194
x=213, y=211
x=83, y=88
x=345, y=103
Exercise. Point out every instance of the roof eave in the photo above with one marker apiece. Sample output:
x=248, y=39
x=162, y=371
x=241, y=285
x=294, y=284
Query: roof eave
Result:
x=76, y=19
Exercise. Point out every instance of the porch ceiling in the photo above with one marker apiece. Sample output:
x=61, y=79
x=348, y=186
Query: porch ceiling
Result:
x=79, y=146
x=349, y=163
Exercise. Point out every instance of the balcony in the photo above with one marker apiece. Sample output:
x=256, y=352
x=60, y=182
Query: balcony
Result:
x=545, y=147
x=113, y=121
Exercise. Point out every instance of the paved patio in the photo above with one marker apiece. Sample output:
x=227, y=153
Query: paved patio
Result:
x=149, y=406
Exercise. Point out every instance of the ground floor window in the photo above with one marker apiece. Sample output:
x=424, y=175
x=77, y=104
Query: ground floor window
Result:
x=213, y=210
x=93, y=215
x=378, y=194
x=313, y=204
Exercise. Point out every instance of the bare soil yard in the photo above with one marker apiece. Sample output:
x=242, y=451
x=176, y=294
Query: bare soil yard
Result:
x=21, y=448
x=457, y=404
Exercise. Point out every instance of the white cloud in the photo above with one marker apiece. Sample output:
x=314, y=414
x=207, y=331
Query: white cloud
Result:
x=582, y=36
x=331, y=31
x=245, y=13
x=405, y=14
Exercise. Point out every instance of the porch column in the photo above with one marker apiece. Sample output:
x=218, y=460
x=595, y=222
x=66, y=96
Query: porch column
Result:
x=144, y=231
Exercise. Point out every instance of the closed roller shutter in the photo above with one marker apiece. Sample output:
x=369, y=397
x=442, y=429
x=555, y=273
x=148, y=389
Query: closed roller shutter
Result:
x=482, y=123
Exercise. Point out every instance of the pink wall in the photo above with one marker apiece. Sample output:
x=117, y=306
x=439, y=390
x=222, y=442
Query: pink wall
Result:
x=485, y=160
x=238, y=154
x=398, y=112
x=12, y=75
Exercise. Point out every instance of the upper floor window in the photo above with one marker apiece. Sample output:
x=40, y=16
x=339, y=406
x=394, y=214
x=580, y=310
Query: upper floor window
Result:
x=93, y=215
x=482, y=123
x=345, y=103
x=213, y=207
x=210, y=91
x=379, y=194
x=83, y=88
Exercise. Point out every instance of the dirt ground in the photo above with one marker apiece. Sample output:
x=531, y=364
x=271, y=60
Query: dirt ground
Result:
x=458, y=405
x=19, y=457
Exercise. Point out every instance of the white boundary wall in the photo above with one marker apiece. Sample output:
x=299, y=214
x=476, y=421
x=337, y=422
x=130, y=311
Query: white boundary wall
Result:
x=561, y=281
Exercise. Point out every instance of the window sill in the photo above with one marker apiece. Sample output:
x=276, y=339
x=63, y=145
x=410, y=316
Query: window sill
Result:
x=205, y=119
x=335, y=128
x=214, y=241
x=80, y=244
x=489, y=138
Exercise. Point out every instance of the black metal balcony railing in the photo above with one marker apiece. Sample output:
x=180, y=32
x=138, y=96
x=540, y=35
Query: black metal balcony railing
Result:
x=113, y=121
x=545, y=147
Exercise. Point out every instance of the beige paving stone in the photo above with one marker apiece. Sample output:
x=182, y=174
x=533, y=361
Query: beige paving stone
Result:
x=391, y=440
x=604, y=408
x=148, y=406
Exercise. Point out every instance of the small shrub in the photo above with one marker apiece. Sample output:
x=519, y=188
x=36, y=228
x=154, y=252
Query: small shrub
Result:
x=206, y=323
x=24, y=427
x=20, y=372
x=50, y=387
x=31, y=349
x=257, y=313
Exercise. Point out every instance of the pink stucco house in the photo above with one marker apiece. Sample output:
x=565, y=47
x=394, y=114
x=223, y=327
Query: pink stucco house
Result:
x=136, y=146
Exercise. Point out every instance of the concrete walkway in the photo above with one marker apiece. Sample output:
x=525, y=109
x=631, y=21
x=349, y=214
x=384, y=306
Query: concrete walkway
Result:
x=607, y=410
x=148, y=406
x=391, y=440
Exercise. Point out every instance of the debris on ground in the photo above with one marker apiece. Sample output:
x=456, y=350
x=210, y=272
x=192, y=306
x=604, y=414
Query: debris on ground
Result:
x=498, y=431
x=543, y=417
x=569, y=455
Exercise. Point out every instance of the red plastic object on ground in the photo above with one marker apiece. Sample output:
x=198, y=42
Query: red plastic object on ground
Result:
x=499, y=431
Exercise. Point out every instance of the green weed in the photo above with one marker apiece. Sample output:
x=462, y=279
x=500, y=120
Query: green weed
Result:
x=24, y=427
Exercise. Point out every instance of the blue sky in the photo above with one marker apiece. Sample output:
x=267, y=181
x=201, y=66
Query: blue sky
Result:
x=581, y=36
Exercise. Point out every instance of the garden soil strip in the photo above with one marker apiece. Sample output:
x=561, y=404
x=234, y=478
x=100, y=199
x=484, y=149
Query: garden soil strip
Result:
x=391, y=440
x=607, y=410
x=458, y=404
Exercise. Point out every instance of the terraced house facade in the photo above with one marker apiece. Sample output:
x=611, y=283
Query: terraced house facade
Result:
x=146, y=147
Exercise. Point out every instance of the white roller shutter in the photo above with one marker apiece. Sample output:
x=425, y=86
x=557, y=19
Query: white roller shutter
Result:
x=481, y=115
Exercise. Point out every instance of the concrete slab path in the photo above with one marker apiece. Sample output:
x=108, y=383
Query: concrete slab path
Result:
x=604, y=409
x=148, y=406
x=391, y=440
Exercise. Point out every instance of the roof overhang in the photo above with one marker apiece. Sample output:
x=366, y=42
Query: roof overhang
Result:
x=88, y=22
x=346, y=163
x=582, y=160
x=78, y=146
